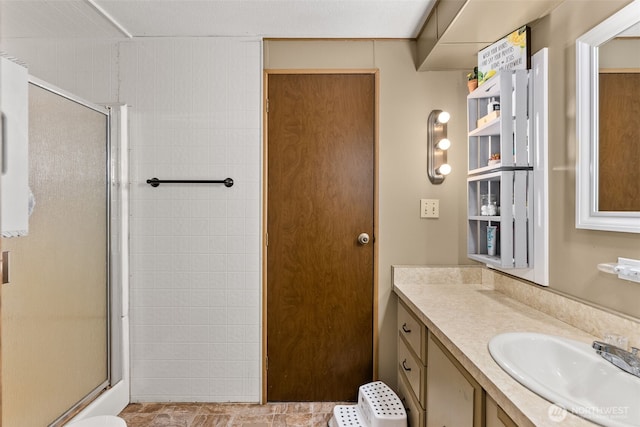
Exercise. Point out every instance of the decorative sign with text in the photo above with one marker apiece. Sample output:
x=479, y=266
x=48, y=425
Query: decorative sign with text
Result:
x=512, y=52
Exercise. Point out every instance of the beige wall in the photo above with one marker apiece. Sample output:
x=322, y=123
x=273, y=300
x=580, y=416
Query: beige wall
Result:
x=406, y=99
x=574, y=254
x=615, y=53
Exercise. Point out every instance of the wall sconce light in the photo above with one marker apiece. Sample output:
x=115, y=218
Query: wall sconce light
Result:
x=437, y=146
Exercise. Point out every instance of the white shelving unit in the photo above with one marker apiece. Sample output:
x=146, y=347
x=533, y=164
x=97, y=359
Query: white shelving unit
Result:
x=518, y=181
x=508, y=179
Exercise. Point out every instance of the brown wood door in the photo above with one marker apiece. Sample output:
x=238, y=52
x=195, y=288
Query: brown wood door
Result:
x=320, y=197
x=619, y=142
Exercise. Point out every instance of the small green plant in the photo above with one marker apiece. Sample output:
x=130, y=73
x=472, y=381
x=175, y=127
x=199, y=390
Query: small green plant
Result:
x=473, y=75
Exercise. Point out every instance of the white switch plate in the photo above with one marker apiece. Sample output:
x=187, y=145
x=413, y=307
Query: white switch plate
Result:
x=429, y=208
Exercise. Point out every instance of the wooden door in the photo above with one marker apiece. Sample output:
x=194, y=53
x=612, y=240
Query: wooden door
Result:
x=320, y=198
x=619, y=142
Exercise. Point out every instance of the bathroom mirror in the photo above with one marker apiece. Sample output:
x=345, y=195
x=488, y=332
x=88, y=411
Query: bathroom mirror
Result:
x=592, y=116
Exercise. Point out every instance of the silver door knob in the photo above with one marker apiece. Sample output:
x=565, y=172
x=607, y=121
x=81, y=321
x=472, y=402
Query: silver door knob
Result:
x=363, y=238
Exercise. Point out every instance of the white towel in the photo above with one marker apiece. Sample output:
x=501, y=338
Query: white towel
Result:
x=14, y=180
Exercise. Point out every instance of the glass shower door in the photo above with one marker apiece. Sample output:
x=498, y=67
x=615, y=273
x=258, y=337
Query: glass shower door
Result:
x=55, y=335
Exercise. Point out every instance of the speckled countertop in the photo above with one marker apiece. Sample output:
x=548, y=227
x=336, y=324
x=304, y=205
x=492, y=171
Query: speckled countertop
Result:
x=465, y=316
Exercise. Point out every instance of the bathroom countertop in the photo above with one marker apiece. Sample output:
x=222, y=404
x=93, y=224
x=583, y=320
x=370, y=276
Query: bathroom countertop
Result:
x=464, y=317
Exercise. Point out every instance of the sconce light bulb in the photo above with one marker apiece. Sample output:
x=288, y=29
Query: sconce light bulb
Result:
x=444, y=144
x=444, y=117
x=444, y=169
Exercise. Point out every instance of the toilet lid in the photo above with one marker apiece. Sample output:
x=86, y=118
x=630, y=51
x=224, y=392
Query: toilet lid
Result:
x=100, y=421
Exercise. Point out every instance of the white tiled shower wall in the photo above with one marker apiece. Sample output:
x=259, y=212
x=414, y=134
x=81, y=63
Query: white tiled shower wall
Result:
x=195, y=267
x=195, y=302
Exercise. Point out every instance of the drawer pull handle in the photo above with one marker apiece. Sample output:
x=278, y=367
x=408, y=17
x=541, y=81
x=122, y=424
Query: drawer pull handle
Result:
x=404, y=328
x=404, y=366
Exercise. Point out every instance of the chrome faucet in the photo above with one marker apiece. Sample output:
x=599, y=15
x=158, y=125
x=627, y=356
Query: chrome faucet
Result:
x=625, y=360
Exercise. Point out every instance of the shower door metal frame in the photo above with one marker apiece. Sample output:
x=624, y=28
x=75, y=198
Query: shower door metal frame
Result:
x=113, y=263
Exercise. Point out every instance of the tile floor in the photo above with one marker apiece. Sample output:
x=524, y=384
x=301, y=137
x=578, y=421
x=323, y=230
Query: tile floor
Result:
x=312, y=414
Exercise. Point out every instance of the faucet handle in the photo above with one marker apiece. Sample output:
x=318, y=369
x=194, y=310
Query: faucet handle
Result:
x=600, y=346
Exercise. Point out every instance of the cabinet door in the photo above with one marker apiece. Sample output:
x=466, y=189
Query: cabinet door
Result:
x=453, y=398
x=495, y=416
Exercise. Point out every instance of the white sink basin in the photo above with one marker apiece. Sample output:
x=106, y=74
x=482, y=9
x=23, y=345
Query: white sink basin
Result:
x=571, y=375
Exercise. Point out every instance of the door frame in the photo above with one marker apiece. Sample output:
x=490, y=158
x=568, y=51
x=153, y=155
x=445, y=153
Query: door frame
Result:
x=265, y=147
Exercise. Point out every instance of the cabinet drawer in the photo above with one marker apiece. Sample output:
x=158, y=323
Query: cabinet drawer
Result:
x=415, y=411
x=413, y=331
x=412, y=369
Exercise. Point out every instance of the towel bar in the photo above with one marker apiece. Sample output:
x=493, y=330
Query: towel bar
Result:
x=154, y=182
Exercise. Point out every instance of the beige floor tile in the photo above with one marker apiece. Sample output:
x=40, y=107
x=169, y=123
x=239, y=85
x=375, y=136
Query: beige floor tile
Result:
x=283, y=414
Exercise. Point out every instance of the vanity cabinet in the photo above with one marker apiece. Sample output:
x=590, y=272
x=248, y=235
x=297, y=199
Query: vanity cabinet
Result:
x=500, y=171
x=435, y=389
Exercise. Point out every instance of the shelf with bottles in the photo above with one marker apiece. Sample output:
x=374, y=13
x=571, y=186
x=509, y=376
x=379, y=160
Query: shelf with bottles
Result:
x=501, y=199
x=484, y=197
x=478, y=248
x=498, y=123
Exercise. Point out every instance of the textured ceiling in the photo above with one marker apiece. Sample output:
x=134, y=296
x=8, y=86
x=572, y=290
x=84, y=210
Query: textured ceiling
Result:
x=185, y=18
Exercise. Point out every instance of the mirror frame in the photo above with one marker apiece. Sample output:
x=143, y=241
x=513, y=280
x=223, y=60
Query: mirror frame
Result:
x=587, y=214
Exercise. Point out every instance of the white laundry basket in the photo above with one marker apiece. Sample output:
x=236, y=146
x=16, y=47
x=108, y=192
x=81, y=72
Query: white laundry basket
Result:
x=378, y=406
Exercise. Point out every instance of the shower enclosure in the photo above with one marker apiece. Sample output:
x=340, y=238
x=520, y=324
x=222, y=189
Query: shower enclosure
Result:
x=61, y=311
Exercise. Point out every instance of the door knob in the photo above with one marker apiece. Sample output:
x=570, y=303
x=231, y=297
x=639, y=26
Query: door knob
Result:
x=363, y=238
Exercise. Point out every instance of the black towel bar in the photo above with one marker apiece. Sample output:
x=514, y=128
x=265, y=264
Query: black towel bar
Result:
x=154, y=182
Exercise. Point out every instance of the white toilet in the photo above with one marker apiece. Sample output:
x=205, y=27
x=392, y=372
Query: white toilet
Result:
x=100, y=421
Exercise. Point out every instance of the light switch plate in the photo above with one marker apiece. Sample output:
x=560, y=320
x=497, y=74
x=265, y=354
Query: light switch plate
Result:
x=429, y=208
